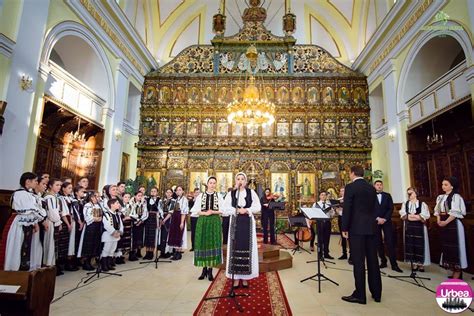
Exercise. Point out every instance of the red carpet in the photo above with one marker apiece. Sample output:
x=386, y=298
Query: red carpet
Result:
x=266, y=297
x=282, y=240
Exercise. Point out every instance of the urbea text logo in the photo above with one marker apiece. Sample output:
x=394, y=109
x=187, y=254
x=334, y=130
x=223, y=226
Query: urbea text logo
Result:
x=454, y=296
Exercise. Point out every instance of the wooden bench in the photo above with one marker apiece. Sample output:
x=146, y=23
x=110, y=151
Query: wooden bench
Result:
x=34, y=295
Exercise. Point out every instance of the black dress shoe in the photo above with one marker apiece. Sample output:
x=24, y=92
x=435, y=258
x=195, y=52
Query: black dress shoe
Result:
x=376, y=299
x=352, y=299
x=203, y=274
x=349, y=261
x=397, y=269
x=236, y=286
x=328, y=256
x=383, y=265
x=343, y=257
x=246, y=284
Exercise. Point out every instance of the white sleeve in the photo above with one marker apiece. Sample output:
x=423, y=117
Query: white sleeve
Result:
x=437, y=208
x=256, y=207
x=53, y=209
x=425, y=211
x=185, y=207
x=88, y=213
x=197, y=205
x=458, y=208
x=64, y=207
x=121, y=225
x=227, y=208
x=402, y=211
x=107, y=226
x=145, y=213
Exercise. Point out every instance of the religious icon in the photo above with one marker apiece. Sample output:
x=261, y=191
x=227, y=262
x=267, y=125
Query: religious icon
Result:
x=192, y=129
x=360, y=128
x=222, y=95
x=282, y=129
x=237, y=129
x=150, y=93
x=207, y=128
x=298, y=129
x=328, y=96
x=297, y=95
x=163, y=128
x=224, y=182
x=152, y=180
x=314, y=129
x=197, y=179
x=343, y=95
x=193, y=95
x=267, y=130
x=313, y=95
x=209, y=95
x=239, y=94
x=344, y=128
x=359, y=96
x=283, y=96
x=180, y=95
x=165, y=95
x=280, y=184
x=178, y=128
x=252, y=130
x=307, y=181
x=222, y=129
x=269, y=94
x=149, y=128
x=329, y=129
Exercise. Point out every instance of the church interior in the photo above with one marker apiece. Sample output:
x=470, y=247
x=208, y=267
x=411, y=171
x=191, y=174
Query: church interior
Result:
x=154, y=97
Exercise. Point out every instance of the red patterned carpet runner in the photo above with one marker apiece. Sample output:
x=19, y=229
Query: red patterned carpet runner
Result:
x=266, y=297
x=282, y=240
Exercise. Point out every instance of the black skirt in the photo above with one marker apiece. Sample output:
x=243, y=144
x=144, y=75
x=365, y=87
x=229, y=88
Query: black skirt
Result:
x=92, y=243
x=150, y=230
x=241, y=257
x=125, y=241
x=63, y=241
x=137, y=236
x=414, y=242
x=77, y=237
x=450, y=258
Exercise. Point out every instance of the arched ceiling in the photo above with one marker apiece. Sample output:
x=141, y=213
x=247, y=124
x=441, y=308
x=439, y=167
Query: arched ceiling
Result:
x=342, y=27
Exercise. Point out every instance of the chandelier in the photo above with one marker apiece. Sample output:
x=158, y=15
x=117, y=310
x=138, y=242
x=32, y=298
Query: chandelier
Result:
x=434, y=138
x=254, y=109
x=76, y=136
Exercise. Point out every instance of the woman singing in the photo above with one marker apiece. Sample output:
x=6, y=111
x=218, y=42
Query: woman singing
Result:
x=241, y=204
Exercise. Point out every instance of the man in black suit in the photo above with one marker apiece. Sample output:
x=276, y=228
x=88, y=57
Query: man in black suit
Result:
x=359, y=226
x=383, y=218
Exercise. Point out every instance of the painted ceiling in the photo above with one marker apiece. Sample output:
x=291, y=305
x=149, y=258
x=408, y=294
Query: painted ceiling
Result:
x=342, y=27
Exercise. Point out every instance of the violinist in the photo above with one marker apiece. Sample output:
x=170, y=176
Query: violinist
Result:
x=268, y=217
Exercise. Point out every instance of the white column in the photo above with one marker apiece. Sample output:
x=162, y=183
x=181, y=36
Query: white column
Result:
x=25, y=60
x=396, y=147
x=112, y=155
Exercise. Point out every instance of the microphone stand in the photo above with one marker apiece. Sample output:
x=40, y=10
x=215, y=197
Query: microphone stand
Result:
x=232, y=295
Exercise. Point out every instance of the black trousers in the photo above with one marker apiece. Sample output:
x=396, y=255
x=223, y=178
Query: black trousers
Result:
x=268, y=218
x=164, y=236
x=194, y=221
x=225, y=228
x=344, y=241
x=324, y=235
x=364, y=247
x=388, y=241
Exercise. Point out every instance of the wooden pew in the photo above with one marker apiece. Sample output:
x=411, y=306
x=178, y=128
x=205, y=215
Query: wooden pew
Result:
x=34, y=295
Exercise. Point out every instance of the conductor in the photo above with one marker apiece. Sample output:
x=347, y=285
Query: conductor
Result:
x=358, y=224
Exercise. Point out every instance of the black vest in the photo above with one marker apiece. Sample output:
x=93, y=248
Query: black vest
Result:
x=248, y=198
x=417, y=210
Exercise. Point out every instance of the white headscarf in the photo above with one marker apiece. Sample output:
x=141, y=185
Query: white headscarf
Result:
x=241, y=174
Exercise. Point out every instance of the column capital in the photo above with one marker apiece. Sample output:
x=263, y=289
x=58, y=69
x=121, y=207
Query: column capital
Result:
x=403, y=115
x=469, y=73
x=123, y=68
x=44, y=71
x=387, y=68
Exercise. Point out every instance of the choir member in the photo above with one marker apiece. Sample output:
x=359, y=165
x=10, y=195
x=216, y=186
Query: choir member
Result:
x=83, y=182
x=208, y=239
x=151, y=223
x=77, y=207
x=54, y=224
x=166, y=206
x=383, y=211
x=338, y=210
x=268, y=217
x=225, y=222
x=67, y=236
x=138, y=214
x=39, y=192
x=415, y=213
x=177, y=239
x=194, y=217
x=23, y=236
x=324, y=227
x=449, y=211
x=124, y=243
x=113, y=228
x=241, y=204
x=91, y=238
x=120, y=192
x=142, y=189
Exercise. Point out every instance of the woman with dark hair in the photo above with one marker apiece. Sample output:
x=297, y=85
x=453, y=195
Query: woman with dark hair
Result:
x=415, y=213
x=124, y=244
x=54, y=224
x=151, y=223
x=177, y=238
x=20, y=253
x=449, y=210
x=208, y=238
x=166, y=207
x=268, y=217
x=138, y=214
x=241, y=204
x=67, y=236
x=77, y=208
x=90, y=244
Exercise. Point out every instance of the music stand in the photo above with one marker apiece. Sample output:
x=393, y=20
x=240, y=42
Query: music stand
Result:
x=317, y=215
x=298, y=221
x=99, y=271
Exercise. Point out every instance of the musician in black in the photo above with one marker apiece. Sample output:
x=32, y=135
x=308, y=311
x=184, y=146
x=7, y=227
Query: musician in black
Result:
x=324, y=227
x=268, y=217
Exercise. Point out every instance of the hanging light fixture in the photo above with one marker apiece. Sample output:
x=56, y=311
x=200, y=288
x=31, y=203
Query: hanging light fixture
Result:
x=434, y=138
x=254, y=109
x=77, y=136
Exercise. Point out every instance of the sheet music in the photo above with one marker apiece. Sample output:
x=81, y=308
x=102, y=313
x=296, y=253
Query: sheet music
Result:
x=9, y=288
x=314, y=213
